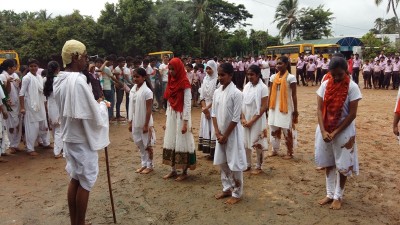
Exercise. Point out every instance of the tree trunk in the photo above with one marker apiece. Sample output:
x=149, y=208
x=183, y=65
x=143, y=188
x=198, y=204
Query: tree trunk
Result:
x=397, y=17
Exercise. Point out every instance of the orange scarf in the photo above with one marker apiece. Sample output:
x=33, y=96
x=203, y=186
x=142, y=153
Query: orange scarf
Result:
x=334, y=99
x=283, y=104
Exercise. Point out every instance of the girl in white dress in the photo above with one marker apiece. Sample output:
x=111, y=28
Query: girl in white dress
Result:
x=282, y=114
x=53, y=68
x=178, y=147
x=141, y=119
x=229, y=151
x=253, y=118
x=206, y=134
x=335, y=137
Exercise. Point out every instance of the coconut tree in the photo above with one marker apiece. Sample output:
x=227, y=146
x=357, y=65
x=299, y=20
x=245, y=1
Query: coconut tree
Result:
x=391, y=4
x=379, y=24
x=286, y=16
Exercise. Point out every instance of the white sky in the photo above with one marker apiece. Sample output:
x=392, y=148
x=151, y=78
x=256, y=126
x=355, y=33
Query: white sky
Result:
x=352, y=17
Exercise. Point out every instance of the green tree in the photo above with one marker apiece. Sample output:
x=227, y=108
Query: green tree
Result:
x=286, y=16
x=315, y=23
x=379, y=24
x=391, y=4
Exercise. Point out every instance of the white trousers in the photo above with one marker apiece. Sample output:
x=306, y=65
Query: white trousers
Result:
x=231, y=180
x=276, y=139
x=15, y=136
x=35, y=130
x=57, y=137
x=260, y=157
x=145, y=157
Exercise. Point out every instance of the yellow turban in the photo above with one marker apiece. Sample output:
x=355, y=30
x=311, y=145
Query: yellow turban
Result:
x=72, y=47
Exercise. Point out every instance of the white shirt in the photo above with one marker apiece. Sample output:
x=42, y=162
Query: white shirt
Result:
x=163, y=68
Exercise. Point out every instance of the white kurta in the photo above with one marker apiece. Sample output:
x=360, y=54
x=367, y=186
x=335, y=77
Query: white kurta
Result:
x=206, y=133
x=265, y=71
x=35, y=114
x=256, y=135
x=178, y=148
x=137, y=114
x=277, y=118
x=227, y=108
x=342, y=151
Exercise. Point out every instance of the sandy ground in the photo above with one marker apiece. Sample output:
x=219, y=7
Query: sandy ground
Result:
x=33, y=189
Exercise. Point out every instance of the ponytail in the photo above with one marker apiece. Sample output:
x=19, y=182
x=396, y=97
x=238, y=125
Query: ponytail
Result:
x=52, y=67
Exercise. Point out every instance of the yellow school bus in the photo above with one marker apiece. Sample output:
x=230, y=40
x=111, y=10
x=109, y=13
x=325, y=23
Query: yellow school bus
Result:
x=9, y=54
x=160, y=55
x=292, y=51
x=326, y=49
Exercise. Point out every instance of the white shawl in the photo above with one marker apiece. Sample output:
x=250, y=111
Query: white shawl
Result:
x=209, y=83
x=248, y=97
x=35, y=91
x=223, y=100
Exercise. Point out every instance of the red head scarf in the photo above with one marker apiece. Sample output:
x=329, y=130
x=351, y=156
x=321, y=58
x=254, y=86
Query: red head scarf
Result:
x=176, y=86
x=334, y=99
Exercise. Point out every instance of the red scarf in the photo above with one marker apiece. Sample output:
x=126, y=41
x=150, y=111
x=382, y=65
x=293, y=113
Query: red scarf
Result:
x=176, y=86
x=327, y=76
x=334, y=99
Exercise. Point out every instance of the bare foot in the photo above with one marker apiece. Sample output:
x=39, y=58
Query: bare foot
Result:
x=232, y=201
x=3, y=160
x=140, y=169
x=336, y=204
x=325, y=201
x=58, y=156
x=319, y=168
x=288, y=157
x=272, y=154
x=256, y=171
x=33, y=153
x=170, y=175
x=12, y=151
x=182, y=177
x=147, y=171
x=248, y=169
x=223, y=194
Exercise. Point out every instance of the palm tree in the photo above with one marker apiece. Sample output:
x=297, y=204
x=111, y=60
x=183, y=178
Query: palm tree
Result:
x=200, y=17
x=286, y=15
x=391, y=4
x=379, y=24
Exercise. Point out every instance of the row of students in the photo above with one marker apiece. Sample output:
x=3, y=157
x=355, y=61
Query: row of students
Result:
x=379, y=74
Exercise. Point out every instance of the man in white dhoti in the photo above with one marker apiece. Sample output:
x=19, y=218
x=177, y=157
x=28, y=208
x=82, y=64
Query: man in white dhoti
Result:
x=84, y=125
x=229, y=151
x=32, y=106
x=335, y=137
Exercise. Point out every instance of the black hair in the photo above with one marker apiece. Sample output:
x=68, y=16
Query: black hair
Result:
x=33, y=61
x=137, y=61
x=120, y=59
x=146, y=61
x=338, y=54
x=338, y=62
x=189, y=65
x=284, y=59
x=227, y=68
x=199, y=65
x=153, y=59
x=257, y=70
x=99, y=60
x=7, y=64
x=142, y=72
x=129, y=59
x=48, y=85
x=111, y=57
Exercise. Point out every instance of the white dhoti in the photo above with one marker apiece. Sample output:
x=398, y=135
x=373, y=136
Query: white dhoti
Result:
x=231, y=181
x=82, y=163
x=57, y=137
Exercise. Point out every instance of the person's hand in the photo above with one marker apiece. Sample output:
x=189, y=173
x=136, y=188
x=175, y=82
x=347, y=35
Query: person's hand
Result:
x=145, y=129
x=222, y=139
x=184, y=128
x=243, y=122
x=22, y=111
x=326, y=136
x=295, y=116
x=5, y=115
x=10, y=79
x=396, y=130
x=333, y=134
x=249, y=124
x=206, y=112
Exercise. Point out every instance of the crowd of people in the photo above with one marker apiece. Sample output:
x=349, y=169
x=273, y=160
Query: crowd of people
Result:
x=242, y=103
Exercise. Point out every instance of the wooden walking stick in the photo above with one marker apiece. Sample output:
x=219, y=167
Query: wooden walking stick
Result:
x=109, y=186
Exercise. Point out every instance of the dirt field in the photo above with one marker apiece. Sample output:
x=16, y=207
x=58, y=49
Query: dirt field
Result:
x=33, y=190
